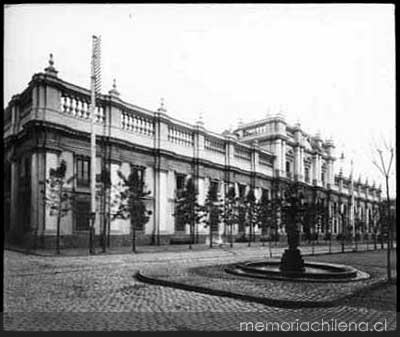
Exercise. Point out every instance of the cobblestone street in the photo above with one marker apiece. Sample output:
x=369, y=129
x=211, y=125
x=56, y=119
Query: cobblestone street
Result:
x=100, y=293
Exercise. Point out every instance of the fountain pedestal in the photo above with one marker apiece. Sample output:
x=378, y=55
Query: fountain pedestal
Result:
x=292, y=262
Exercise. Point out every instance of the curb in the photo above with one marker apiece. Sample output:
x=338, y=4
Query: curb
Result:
x=248, y=298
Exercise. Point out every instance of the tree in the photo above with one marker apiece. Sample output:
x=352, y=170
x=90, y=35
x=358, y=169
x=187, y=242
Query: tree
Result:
x=213, y=210
x=276, y=207
x=327, y=222
x=375, y=220
x=250, y=203
x=105, y=180
x=130, y=201
x=231, y=211
x=384, y=165
x=57, y=198
x=265, y=218
x=187, y=208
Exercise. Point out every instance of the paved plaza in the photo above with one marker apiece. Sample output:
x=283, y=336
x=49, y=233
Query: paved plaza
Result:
x=100, y=292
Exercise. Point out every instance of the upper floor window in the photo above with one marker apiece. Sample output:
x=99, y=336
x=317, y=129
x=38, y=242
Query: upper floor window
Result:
x=265, y=193
x=288, y=167
x=83, y=171
x=138, y=171
x=180, y=182
x=307, y=174
x=242, y=190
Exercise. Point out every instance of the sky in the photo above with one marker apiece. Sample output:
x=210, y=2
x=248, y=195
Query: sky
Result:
x=330, y=67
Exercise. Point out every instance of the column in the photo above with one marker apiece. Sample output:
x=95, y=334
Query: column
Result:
x=297, y=168
x=301, y=164
x=278, y=158
x=314, y=169
x=319, y=181
x=283, y=158
x=14, y=196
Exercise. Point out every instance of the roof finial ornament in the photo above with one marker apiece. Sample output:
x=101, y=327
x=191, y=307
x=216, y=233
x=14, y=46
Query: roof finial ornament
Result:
x=200, y=121
x=114, y=91
x=50, y=70
x=51, y=61
x=162, y=105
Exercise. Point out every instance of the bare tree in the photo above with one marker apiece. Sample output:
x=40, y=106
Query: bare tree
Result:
x=383, y=162
x=57, y=198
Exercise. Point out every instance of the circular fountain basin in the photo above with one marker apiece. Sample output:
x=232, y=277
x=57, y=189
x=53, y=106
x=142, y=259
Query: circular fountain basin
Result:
x=314, y=272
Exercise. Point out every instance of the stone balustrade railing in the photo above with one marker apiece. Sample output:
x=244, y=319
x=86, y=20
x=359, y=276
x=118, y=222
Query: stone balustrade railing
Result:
x=242, y=153
x=80, y=108
x=214, y=145
x=180, y=136
x=137, y=124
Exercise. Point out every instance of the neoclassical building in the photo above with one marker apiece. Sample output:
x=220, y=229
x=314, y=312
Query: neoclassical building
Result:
x=49, y=122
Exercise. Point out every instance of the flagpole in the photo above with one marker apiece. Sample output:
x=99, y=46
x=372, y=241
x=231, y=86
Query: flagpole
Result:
x=93, y=79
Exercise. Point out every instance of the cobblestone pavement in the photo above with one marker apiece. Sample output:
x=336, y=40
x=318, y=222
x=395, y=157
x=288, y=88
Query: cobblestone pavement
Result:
x=100, y=293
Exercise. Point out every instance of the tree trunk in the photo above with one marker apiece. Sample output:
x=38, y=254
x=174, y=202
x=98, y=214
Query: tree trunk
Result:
x=58, y=231
x=133, y=237
x=270, y=247
x=389, y=225
x=231, y=234
x=59, y=219
x=211, y=236
x=249, y=234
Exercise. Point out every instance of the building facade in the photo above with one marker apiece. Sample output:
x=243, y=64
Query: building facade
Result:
x=49, y=122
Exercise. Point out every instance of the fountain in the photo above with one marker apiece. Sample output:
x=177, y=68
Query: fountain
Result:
x=292, y=266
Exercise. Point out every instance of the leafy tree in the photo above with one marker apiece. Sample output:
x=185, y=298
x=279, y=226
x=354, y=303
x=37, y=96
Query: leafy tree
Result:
x=265, y=216
x=57, y=198
x=251, y=212
x=104, y=178
x=231, y=211
x=213, y=210
x=276, y=206
x=187, y=208
x=130, y=201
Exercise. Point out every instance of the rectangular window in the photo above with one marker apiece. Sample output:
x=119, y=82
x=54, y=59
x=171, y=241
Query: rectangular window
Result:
x=265, y=192
x=180, y=182
x=138, y=171
x=242, y=190
x=307, y=174
x=214, y=186
x=83, y=172
x=82, y=215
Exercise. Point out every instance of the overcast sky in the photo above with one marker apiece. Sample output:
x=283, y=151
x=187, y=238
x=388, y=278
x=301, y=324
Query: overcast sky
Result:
x=331, y=67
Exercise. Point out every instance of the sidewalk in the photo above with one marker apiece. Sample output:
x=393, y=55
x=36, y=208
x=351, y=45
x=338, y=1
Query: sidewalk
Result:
x=276, y=248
